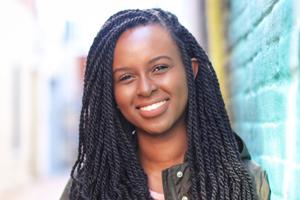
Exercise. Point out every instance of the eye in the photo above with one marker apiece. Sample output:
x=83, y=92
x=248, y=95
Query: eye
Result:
x=125, y=78
x=160, y=68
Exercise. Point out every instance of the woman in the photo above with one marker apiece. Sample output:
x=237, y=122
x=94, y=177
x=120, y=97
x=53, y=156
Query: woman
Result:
x=153, y=123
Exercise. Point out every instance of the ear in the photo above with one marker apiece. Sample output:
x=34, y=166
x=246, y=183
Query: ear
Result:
x=195, y=66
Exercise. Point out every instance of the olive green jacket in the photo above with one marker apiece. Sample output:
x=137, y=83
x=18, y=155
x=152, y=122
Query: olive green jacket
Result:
x=176, y=179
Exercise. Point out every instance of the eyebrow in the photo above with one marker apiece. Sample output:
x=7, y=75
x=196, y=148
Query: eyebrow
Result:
x=149, y=62
x=158, y=58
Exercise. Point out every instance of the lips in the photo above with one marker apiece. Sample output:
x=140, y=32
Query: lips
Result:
x=153, y=109
x=153, y=106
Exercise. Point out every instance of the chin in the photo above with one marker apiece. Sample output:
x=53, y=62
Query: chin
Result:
x=156, y=130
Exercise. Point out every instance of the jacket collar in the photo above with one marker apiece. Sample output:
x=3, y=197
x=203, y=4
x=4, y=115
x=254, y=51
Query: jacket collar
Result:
x=244, y=153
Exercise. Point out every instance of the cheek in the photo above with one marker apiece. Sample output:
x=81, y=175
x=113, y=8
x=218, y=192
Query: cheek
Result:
x=123, y=97
x=183, y=94
x=181, y=88
x=179, y=81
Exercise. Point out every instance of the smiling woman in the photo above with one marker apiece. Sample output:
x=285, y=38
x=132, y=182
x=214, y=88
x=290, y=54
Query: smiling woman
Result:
x=153, y=97
x=153, y=123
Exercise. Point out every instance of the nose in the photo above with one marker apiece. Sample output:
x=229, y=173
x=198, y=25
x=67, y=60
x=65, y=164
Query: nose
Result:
x=146, y=86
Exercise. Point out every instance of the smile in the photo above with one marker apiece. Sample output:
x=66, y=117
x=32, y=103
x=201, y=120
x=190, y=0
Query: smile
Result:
x=153, y=106
x=155, y=109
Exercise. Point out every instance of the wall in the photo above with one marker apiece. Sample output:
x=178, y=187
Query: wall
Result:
x=42, y=55
x=29, y=63
x=265, y=95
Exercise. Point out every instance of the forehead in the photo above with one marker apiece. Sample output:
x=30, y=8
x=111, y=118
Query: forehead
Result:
x=145, y=41
x=142, y=32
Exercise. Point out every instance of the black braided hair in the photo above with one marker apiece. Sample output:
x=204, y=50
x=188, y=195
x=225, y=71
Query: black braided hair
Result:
x=107, y=166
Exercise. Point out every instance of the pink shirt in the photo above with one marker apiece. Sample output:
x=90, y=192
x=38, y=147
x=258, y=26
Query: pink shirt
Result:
x=156, y=195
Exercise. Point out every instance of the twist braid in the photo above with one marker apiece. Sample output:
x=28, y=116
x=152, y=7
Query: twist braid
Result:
x=107, y=166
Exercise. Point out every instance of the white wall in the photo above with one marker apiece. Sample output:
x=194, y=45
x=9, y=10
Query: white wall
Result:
x=32, y=53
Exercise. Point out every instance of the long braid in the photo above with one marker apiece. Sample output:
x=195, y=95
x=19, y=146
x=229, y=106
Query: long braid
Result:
x=107, y=165
x=221, y=119
x=217, y=116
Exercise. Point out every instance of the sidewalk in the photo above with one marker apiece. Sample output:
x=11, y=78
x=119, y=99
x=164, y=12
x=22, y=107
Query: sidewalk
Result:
x=46, y=189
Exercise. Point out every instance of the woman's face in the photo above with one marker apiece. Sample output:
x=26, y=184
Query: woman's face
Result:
x=150, y=85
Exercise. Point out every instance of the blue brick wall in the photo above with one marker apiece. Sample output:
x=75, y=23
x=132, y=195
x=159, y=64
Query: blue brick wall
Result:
x=264, y=78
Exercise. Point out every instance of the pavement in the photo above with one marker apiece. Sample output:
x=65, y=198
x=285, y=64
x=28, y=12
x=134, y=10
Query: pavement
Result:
x=49, y=188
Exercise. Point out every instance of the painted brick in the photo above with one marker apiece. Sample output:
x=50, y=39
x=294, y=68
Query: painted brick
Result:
x=267, y=67
x=293, y=192
x=239, y=109
x=237, y=80
x=275, y=171
x=241, y=18
x=270, y=65
x=274, y=26
x=267, y=104
x=254, y=13
x=298, y=95
x=297, y=159
x=269, y=142
x=237, y=8
x=261, y=36
x=276, y=196
x=282, y=176
x=271, y=104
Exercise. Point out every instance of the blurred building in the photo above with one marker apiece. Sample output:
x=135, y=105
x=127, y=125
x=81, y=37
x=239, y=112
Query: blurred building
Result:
x=40, y=94
x=42, y=55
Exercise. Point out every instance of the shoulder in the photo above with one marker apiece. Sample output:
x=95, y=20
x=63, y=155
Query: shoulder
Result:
x=260, y=178
x=258, y=175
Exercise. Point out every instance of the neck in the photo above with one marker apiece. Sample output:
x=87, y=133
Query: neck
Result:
x=158, y=152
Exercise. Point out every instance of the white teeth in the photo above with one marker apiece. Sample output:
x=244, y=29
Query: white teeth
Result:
x=153, y=106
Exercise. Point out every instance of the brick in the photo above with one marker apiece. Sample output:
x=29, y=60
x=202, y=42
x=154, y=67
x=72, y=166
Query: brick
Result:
x=298, y=95
x=275, y=171
x=298, y=139
x=271, y=104
x=282, y=175
x=273, y=139
x=267, y=104
x=260, y=39
x=237, y=79
x=264, y=139
x=238, y=107
x=294, y=184
x=256, y=12
x=240, y=16
x=236, y=7
x=270, y=65
x=275, y=196
x=244, y=108
x=276, y=25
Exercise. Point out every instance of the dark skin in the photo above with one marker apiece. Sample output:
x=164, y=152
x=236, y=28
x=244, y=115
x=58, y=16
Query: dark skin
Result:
x=150, y=89
x=156, y=155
